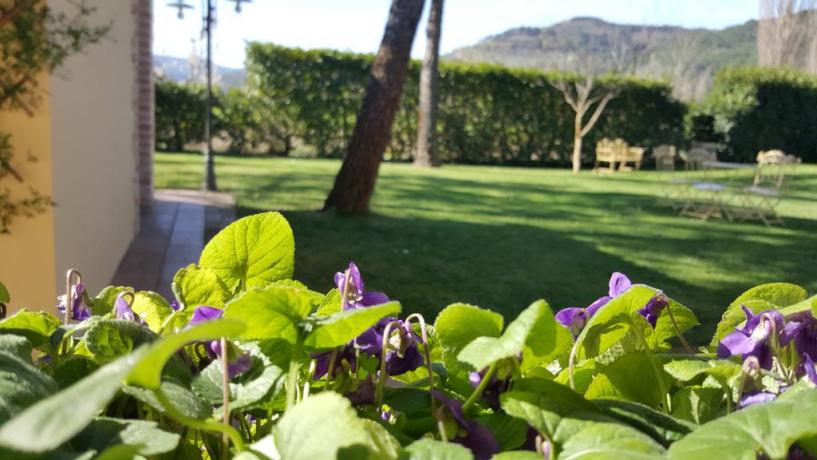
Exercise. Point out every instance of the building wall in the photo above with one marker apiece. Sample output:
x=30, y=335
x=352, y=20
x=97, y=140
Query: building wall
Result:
x=27, y=254
x=85, y=136
x=93, y=132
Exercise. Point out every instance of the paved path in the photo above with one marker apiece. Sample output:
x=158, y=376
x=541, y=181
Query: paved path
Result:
x=171, y=236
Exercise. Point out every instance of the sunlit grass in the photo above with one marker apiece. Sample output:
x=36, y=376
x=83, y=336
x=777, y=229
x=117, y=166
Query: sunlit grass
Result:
x=503, y=237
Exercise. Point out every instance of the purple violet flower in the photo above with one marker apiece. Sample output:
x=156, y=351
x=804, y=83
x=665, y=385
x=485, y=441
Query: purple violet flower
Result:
x=238, y=361
x=809, y=370
x=755, y=338
x=322, y=361
x=575, y=318
x=653, y=309
x=801, y=328
x=357, y=296
x=755, y=397
x=123, y=310
x=79, y=311
x=470, y=434
x=407, y=356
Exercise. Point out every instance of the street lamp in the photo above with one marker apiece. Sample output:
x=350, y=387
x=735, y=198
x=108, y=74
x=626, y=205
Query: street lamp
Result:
x=209, y=7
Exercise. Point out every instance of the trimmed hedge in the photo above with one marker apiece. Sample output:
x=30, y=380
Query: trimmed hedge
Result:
x=753, y=109
x=488, y=114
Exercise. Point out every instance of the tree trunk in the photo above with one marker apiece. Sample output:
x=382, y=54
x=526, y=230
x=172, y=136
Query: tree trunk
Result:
x=426, y=154
x=577, y=154
x=577, y=143
x=354, y=184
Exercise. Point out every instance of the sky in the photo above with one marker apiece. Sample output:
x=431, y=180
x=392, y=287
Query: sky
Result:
x=357, y=25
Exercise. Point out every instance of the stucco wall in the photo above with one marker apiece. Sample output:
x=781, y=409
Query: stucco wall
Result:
x=92, y=143
x=83, y=134
x=27, y=254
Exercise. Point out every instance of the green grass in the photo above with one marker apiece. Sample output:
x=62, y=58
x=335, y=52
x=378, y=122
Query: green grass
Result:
x=502, y=237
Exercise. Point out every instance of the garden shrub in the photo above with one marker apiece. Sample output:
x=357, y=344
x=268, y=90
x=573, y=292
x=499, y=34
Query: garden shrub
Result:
x=179, y=117
x=247, y=363
x=487, y=114
x=755, y=109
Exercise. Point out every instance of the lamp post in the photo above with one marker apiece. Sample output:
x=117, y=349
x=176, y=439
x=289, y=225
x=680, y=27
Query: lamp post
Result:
x=209, y=7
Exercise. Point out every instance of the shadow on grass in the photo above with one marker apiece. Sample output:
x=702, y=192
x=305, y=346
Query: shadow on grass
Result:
x=503, y=240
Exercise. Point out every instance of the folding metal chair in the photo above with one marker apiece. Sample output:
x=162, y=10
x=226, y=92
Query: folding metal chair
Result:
x=760, y=200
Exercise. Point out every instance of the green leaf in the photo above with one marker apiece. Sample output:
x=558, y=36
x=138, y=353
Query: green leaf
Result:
x=252, y=252
x=685, y=370
x=330, y=304
x=145, y=436
x=762, y=297
x=661, y=427
x=550, y=408
x=16, y=345
x=517, y=455
x=4, y=294
x=326, y=426
x=36, y=326
x=250, y=389
x=54, y=420
x=109, y=339
x=21, y=384
x=103, y=303
x=605, y=441
x=510, y=432
x=338, y=329
x=195, y=286
x=697, y=404
x=483, y=351
x=430, y=449
x=271, y=313
x=459, y=324
x=148, y=371
x=760, y=430
x=183, y=399
x=635, y=376
x=152, y=308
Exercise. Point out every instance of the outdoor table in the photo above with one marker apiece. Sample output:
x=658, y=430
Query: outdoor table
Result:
x=713, y=196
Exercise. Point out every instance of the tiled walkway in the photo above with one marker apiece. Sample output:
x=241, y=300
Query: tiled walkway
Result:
x=172, y=236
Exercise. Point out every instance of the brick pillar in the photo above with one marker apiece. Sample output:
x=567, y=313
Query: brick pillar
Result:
x=143, y=100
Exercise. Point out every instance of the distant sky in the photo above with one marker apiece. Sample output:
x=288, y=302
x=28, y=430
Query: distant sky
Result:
x=357, y=25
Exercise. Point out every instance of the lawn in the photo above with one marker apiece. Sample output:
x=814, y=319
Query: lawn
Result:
x=502, y=237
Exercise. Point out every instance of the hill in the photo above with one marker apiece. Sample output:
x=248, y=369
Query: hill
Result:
x=688, y=57
x=178, y=69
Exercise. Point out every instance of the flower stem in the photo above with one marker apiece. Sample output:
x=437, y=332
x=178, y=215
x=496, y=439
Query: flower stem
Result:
x=427, y=349
x=480, y=388
x=384, y=349
x=292, y=376
x=571, y=364
x=225, y=393
x=683, y=340
x=199, y=424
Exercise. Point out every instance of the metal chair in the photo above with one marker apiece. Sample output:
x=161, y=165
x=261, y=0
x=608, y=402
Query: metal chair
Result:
x=760, y=200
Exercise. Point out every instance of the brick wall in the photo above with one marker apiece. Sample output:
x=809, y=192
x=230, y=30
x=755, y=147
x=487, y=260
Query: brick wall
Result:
x=143, y=100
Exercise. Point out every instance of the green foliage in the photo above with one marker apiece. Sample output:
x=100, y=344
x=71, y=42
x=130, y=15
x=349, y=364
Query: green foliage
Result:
x=755, y=109
x=487, y=114
x=179, y=114
x=36, y=326
x=281, y=371
x=252, y=252
x=764, y=430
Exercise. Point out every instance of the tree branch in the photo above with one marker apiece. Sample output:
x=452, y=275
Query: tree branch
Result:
x=597, y=113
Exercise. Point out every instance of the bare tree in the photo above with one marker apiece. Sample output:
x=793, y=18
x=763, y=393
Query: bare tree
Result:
x=583, y=97
x=426, y=154
x=785, y=35
x=355, y=182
